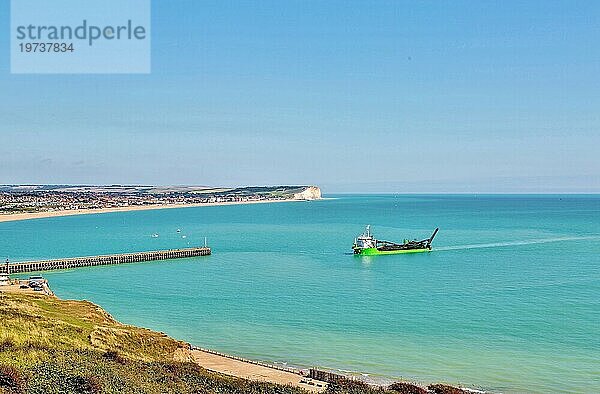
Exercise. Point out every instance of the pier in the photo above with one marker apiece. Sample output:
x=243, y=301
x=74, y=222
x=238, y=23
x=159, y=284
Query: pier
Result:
x=92, y=261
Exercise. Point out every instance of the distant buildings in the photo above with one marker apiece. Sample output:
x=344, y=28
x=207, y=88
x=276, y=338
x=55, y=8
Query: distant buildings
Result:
x=48, y=199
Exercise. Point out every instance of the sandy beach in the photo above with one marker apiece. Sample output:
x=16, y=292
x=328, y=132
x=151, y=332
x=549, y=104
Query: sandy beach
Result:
x=253, y=371
x=51, y=214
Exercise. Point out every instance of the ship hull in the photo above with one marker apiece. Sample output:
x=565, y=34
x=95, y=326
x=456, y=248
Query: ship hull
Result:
x=376, y=252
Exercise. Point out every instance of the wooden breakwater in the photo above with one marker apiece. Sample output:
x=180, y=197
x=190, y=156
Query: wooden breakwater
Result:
x=91, y=261
x=245, y=360
x=312, y=373
x=327, y=376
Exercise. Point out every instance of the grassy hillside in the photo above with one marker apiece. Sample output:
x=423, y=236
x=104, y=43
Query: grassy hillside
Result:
x=53, y=346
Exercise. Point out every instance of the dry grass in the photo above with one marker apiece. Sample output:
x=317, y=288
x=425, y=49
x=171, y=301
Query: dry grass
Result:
x=54, y=346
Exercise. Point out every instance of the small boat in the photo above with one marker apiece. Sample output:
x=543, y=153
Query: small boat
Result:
x=366, y=245
x=178, y=230
x=155, y=235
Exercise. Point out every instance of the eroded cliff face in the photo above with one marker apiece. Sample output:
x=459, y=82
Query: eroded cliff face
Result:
x=310, y=193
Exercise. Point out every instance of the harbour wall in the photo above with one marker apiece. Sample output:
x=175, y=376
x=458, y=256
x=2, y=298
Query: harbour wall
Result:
x=91, y=261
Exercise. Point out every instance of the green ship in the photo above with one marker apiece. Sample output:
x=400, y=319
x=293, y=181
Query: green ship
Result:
x=366, y=245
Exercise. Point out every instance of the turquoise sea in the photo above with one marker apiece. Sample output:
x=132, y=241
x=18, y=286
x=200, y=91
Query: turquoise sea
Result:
x=509, y=300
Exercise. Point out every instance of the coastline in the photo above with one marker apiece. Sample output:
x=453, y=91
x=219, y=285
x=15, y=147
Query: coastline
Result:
x=209, y=360
x=100, y=354
x=52, y=214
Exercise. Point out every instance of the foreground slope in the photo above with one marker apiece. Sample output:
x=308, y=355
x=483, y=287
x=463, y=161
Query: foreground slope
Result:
x=51, y=346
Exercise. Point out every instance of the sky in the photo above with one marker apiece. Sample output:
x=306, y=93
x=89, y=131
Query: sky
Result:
x=353, y=96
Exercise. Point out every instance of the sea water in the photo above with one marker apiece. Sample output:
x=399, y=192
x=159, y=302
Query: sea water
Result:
x=508, y=300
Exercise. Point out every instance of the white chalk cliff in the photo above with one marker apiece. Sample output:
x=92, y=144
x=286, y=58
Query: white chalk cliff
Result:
x=310, y=193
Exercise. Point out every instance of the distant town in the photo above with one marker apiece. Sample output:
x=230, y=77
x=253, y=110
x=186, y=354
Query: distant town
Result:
x=55, y=198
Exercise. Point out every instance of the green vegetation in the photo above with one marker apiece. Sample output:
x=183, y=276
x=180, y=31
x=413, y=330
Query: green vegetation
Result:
x=357, y=387
x=444, y=389
x=53, y=346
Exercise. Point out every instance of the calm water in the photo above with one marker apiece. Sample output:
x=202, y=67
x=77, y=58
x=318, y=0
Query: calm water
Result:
x=509, y=301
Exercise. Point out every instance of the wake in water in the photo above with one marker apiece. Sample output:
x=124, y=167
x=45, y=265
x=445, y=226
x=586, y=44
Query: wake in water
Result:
x=515, y=243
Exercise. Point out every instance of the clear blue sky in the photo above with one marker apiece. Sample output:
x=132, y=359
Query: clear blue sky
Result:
x=364, y=96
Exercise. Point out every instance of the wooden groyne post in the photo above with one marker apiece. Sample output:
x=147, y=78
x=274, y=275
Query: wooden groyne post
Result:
x=327, y=376
x=91, y=261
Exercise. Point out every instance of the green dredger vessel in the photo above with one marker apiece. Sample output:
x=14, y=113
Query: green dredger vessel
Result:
x=366, y=245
